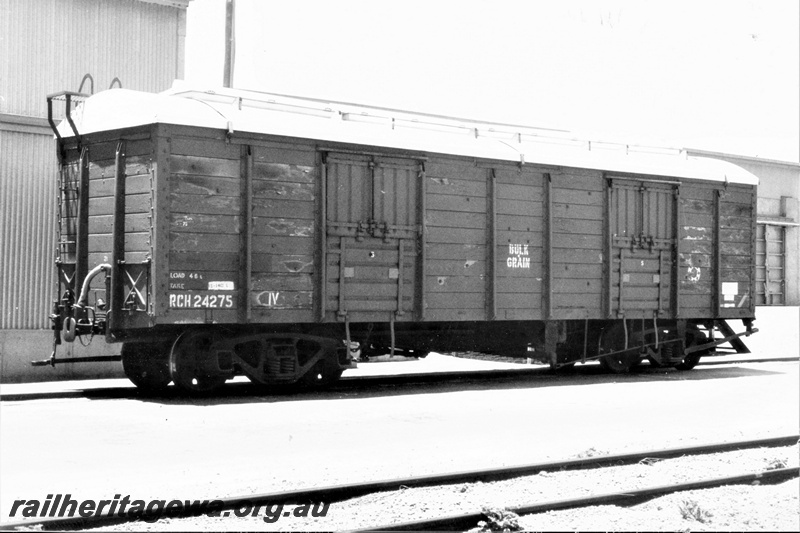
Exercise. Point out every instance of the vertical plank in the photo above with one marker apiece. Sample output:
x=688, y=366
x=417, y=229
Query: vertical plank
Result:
x=367, y=186
x=422, y=268
x=82, y=237
x=677, y=217
x=609, y=262
x=380, y=208
x=342, y=278
x=752, y=265
x=400, y=261
x=491, y=249
x=246, y=235
x=621, y=305
x=660, y=281
x=160, y=218
x=323, y=237
x=717, y=298
x=118, y=246
x=548, y=247
x=410, y=186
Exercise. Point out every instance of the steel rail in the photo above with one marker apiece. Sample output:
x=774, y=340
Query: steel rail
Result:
x=463, y=522
x=342, y=492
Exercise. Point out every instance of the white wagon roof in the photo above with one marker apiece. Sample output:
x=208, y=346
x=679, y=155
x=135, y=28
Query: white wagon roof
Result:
x=238, y=110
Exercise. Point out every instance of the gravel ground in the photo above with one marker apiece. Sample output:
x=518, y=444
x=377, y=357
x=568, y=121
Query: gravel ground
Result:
x=732, y=508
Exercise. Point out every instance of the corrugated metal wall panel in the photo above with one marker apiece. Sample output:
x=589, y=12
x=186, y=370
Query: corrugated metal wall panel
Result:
x=48, y=46
x=5, y=25
x=27, y=239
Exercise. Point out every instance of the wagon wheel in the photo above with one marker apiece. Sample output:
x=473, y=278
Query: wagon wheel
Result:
x=192, y=364
x=693, y=338
x=147, y=365
x=613, y=340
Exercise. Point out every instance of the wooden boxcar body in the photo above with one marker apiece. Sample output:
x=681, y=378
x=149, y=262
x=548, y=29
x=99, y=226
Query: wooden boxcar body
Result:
x=253, y=229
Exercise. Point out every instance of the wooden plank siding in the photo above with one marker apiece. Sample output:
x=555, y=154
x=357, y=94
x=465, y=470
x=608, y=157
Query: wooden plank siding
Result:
x=137, y=164
x=737, y=234
x=456, y=229
x=284, y=192
x=68, y=212
x=699, y=282
x=641, y=241
x=696, y=250
x=208, y=227
x=519, y=241
x=501, y=241
x=578, y=243
x=204, y=221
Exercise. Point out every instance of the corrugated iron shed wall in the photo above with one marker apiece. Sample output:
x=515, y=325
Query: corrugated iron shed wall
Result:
x=27, y=243
x=48, y=46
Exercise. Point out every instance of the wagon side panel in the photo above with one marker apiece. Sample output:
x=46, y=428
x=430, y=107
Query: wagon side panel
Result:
x=120, y=230
x=736, y=223
x=104, y=209
x=372, y=238
x=519, y=242
x=716, y=251
x=642, y=243
x=283, y=186
x=456, y=232
x=696, y=263
x=576, y=204
x=200, y=189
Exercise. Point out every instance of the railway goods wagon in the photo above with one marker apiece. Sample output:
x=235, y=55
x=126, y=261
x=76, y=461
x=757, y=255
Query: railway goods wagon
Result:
x=233, y=232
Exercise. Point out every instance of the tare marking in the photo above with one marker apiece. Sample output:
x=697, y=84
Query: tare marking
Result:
x=518, y=256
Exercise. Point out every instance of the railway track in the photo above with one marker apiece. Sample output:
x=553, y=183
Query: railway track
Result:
x=464, y=521
x=347, y=384
x=338, y=493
